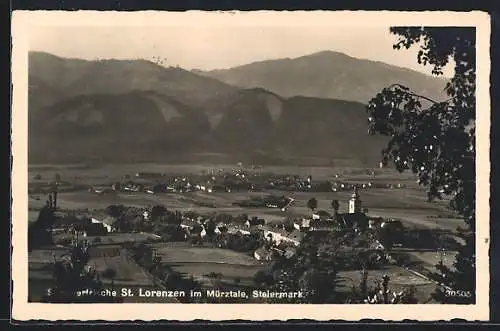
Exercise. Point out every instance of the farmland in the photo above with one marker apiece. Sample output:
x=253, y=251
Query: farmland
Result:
x=400, y=279
x=199, y=262
x=408, y=203
x=40, y=271
x=111, y=238
x=127, y=271
x=213, y=267
x=128, y=274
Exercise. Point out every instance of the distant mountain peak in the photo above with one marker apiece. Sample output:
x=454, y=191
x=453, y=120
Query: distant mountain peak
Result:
x=140, y=111
x=325, y=53
x=328, y=74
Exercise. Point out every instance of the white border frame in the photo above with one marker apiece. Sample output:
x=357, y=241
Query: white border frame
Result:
x=24, y=21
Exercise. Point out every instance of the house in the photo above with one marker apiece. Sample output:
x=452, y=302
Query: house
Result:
x=392, y=224
x=274, y=234
x=109, y=222
x=376, y=245
x=303, y=224
x=193, y=228
x=234, y=229
x=353, y=221
x=217, y=188
x=263, y=254
x=375, y=223
x=189, y=224
x=289, y=252
x=285, y=249
x=254, y=221
x=323, y=225
x=321, y=215
x=94, y=229
x=295, y=237
x=219, y=229
x=203, y=231
x=279, y=235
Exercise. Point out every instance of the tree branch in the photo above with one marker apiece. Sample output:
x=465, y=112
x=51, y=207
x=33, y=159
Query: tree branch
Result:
x=416, y=95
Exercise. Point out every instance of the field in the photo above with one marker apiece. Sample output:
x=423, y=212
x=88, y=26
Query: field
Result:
x=400, y=279
x=40, y=268
x=430, y=259
x=199, y=262
x=111, y=238
x=127, y=271
x=408, y=203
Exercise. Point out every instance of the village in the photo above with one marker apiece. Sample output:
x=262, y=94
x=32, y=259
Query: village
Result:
x=238, y=179
x=162, y=232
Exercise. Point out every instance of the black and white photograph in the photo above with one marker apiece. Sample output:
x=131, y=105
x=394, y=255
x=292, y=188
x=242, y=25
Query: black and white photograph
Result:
x=269, y=164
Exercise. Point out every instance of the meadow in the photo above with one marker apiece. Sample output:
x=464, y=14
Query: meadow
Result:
x=40, y=270
x=128, y=272
x=408, y=203
x=235, y=268
x=400, y=279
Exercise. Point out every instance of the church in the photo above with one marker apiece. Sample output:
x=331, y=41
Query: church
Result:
x=355, y=218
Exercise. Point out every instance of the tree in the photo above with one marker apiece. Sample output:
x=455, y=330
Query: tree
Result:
x=262, y=277
x=39, y=232
x=312, y=204
x=115, y=211
x=288, y=225
x=210, y=228
x=317, y=285
x=173, y=218
x=157, y=212
x=335, y=207
x=109, y=273
x=435, y=139
x=72, y=275
x=308, y=272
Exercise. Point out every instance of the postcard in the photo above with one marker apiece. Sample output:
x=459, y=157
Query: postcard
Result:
x=266, y=165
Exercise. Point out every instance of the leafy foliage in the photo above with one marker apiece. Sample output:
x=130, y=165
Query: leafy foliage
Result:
x=305, y=271
x=157, y=212
x=39, y=231
x=109, y=273
x=312, y=204
x=435, y=139
x=335, y=205
x=115, y=210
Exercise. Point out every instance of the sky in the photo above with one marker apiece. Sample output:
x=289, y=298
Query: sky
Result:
x=219, y=47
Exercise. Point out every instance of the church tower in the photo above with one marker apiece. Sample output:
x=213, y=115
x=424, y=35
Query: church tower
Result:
x=355, y=202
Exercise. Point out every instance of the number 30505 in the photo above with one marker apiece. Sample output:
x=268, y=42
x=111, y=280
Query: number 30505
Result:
x=458, y=293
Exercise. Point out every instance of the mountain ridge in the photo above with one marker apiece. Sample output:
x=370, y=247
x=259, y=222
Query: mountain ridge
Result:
x=136, y=111
x=327, y=74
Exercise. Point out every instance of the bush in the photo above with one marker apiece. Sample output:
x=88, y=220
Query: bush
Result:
x=402, y=259
x=109, y=273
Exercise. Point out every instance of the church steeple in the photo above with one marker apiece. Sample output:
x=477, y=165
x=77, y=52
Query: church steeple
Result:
x=355, y=202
